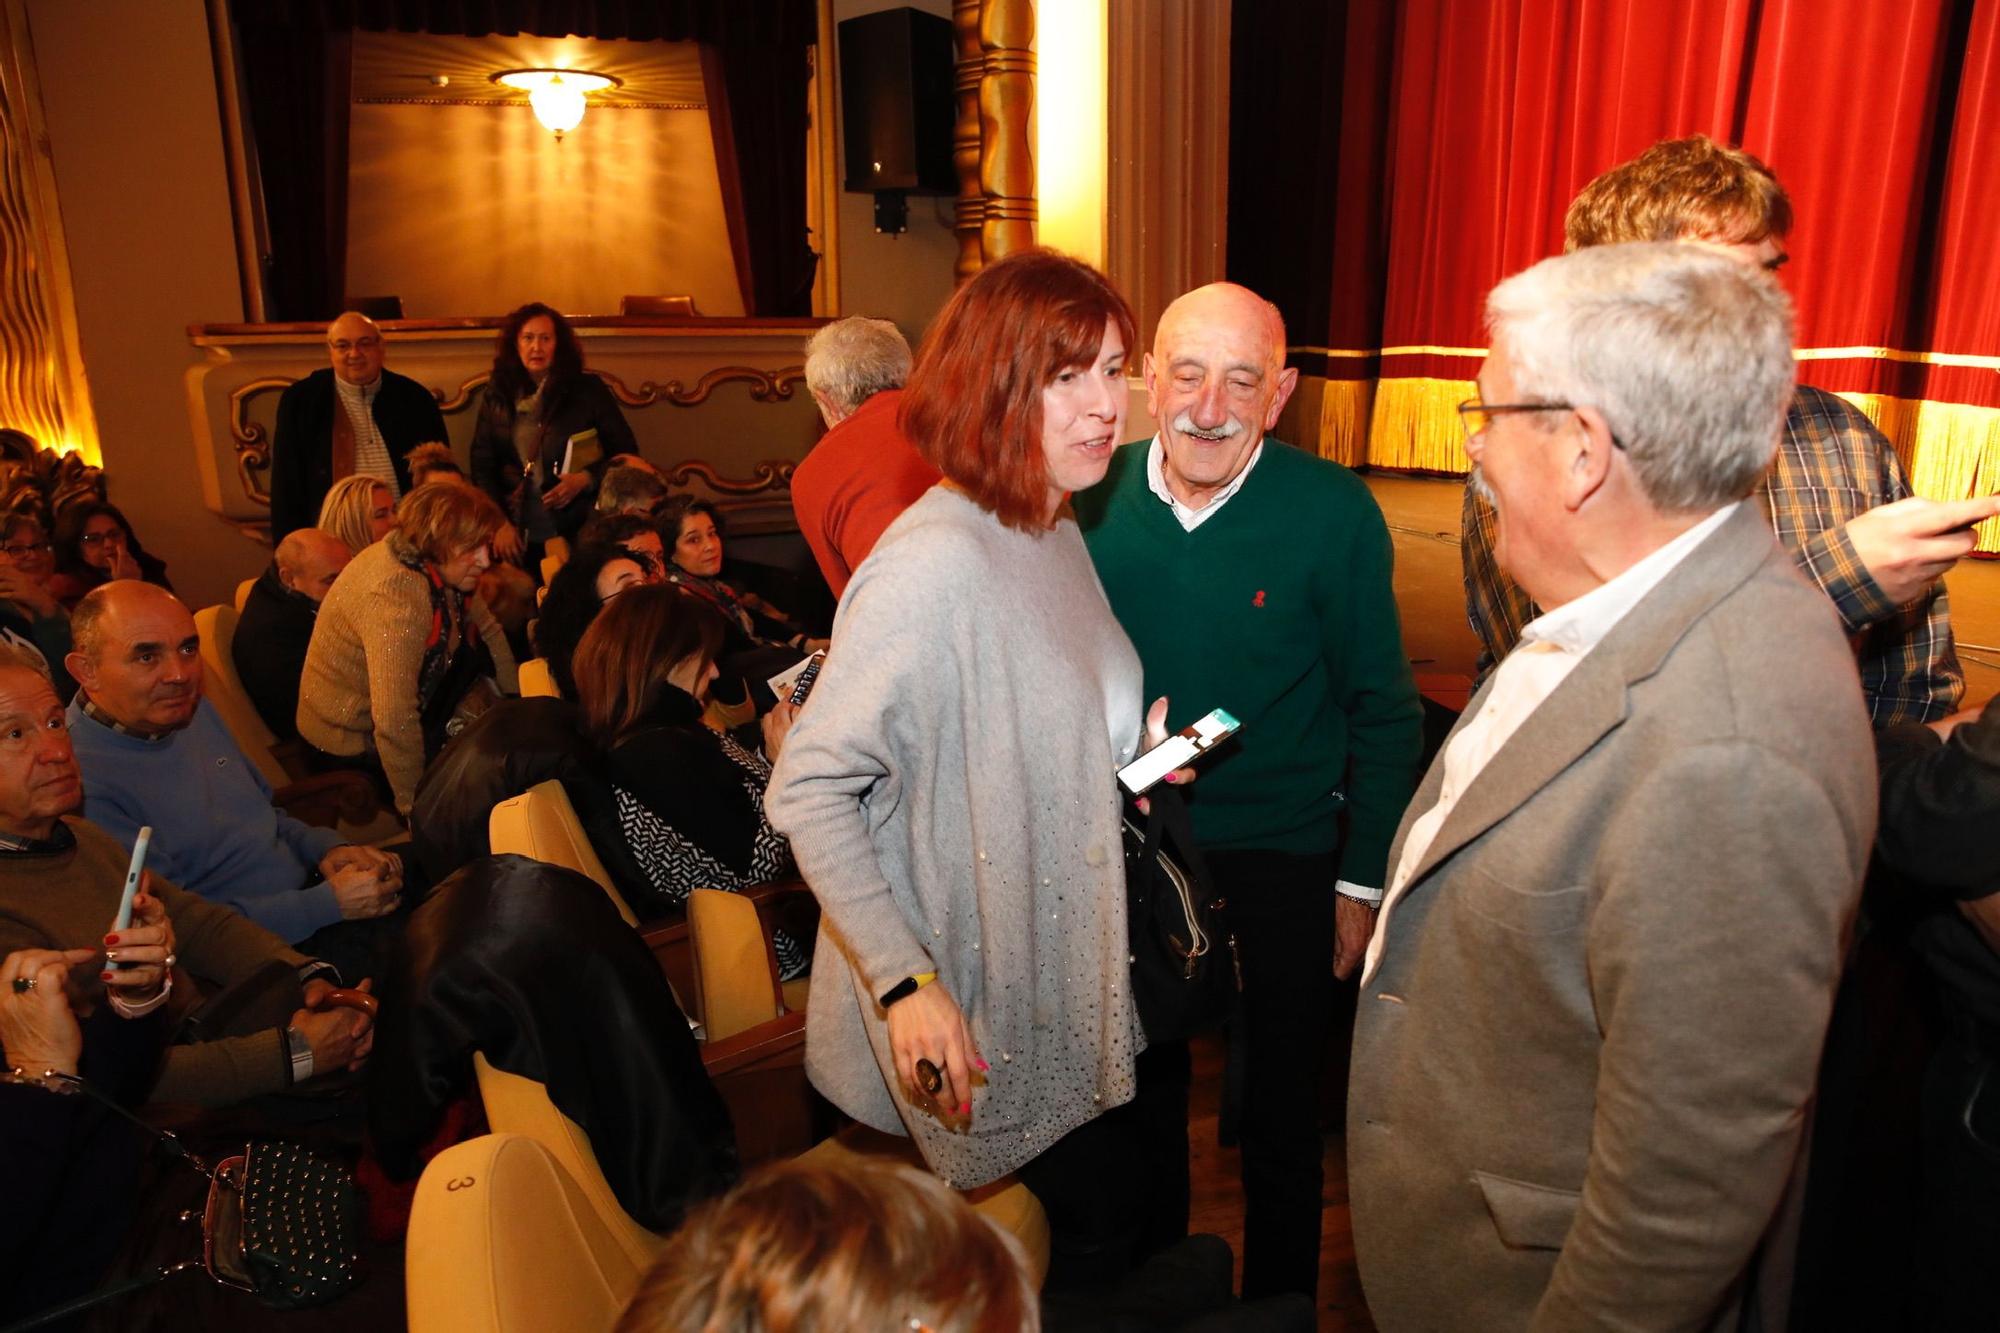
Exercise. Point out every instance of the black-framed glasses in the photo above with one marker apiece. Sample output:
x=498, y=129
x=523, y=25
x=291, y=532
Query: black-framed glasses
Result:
x=1476, y=416
x=99, y=538
x=24, y=550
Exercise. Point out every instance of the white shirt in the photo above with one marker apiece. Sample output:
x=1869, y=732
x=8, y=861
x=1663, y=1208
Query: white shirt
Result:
x=1190, y=519
x=1551, y=646
x=371, y=451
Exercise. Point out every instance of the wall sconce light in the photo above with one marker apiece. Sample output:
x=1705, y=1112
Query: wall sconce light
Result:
x=556, y=95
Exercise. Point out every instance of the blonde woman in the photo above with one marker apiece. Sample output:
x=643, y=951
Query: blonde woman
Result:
x=360, y=510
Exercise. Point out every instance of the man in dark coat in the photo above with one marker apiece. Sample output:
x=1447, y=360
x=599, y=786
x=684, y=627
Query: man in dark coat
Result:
x=353, y=417
x=271, y=639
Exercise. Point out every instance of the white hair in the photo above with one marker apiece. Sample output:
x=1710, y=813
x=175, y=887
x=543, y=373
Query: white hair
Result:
x=853, y=359
x=1686, y=352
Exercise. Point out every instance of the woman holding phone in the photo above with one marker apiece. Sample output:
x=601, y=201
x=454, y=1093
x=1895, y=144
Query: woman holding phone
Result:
x=949, y=791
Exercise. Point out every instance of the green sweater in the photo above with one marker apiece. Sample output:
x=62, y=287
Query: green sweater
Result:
x=1279, y=609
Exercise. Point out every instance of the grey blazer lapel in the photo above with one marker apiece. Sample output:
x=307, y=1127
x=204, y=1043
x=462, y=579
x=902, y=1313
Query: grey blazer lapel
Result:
x=1593, y=699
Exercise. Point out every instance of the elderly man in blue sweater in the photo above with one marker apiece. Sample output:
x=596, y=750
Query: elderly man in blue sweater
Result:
x=152, y=752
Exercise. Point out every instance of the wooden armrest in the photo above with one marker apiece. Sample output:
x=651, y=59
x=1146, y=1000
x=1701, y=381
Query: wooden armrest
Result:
x=780, y=1041
x=329, y=798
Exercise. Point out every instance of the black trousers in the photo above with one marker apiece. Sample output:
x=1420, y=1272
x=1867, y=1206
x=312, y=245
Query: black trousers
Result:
x=1281, y=910
x=1116, y=1188
x=1959, y=1280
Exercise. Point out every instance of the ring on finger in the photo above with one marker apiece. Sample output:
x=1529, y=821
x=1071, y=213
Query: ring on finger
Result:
x=928, y=1077
x=22, y=985
x=110, y=955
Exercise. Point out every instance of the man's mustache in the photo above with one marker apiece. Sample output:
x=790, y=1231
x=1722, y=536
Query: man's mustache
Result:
x=1228, y=430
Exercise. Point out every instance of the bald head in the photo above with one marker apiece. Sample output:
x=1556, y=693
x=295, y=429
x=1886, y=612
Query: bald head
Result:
x=309, y=560
x=354, y=346
x=1216, y=382
x=136, y=655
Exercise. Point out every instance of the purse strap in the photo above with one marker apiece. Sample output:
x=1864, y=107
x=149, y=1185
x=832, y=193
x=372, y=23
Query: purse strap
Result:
x=1168, y=823
x=167, y=1139
x=175, y=1148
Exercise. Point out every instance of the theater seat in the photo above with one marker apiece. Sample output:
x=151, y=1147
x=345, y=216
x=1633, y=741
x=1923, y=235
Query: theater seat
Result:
x=223, y=689
x=516, y=1105
x=502, y=1240
x=542, y=824
x=243, y=594
x=537, y=681
x=555, y=554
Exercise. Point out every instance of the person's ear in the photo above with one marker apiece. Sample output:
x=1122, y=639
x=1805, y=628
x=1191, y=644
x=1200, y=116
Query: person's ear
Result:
x=1591, y=452
x=1152, y=389
x=1288, y=380
x=82, y=670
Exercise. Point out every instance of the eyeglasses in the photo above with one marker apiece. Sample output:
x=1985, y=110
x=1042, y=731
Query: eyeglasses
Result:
x=99, y=538
x=1476, y=416
x=343, y=347
x=24, y=550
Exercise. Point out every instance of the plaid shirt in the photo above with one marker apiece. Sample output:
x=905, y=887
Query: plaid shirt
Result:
x=1831, y=465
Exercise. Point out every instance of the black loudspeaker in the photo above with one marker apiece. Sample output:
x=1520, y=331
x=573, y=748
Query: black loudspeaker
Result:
x=896, y=107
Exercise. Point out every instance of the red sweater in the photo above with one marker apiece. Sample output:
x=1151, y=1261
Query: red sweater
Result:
x=854, y=484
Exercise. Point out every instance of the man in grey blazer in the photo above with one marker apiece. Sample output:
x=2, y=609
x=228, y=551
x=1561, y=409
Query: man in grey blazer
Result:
x=1593, y=1007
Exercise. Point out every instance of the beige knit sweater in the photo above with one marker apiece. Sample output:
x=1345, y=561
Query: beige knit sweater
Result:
x=359, y=692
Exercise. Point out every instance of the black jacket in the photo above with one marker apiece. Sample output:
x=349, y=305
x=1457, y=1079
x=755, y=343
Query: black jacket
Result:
x=532, y=966
x=1940, y=826
x=270, y=650
x=580, y=404
x=302, y=443
x=506, y=750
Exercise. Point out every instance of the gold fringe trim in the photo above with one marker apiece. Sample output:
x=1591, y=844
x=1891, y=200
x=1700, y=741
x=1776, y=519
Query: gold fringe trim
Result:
x=1966, y=359
x=1951, y=450
x=1344, y=410
x=1414, y=424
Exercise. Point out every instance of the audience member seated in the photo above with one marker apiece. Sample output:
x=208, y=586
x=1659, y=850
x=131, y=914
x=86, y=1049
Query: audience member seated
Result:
x=630, y=490
x=94, y=545
x=837, y=1243
x=352, y=419
x=690, y=800
x=591, y=577
x=539, y=404
x=762, y=642
x=864, y=472
x=64, y=877
x=70, y=1163
x=360, y=511
x=153, y=753
x=277, y=623
x=31, y=617
x=404, y=652
x=434, y=462
x=635, y=534
x=531, y=966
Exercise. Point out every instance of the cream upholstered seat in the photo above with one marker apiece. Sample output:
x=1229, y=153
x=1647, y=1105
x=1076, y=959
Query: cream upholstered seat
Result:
x=502, y=1240
x=537, y=681
x=555, y=554
x=542, y=824
x=517, y=1105
x=243, y=594
x=223, y=689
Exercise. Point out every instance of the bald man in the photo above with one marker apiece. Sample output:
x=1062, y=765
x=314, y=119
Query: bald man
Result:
x=1255, y=578
x=269, y=647
x=153, y=753
x=353, y=417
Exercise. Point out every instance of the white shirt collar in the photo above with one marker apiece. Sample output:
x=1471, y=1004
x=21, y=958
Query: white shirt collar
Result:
x=357, y=392
x=1190, y=519
x=1578, y=626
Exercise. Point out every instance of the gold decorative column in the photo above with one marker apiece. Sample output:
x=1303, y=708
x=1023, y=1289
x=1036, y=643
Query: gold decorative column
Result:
x=42, y=386
x=994, y=145
x=971, y=67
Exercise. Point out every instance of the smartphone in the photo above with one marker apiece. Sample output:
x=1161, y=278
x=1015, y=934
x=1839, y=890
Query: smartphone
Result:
x=132, y=873
x=807, y=679
x=1178, y=751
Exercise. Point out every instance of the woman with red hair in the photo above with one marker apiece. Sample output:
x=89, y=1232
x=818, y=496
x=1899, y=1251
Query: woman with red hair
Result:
x=949, y=788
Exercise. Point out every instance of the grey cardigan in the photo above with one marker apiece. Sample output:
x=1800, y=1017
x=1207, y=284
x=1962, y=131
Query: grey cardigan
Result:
x=950, y=798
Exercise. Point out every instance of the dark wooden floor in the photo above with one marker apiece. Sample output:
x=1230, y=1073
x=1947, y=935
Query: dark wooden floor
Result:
x=1218, y=1199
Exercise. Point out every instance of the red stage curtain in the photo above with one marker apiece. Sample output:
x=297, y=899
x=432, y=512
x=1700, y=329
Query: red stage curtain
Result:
x=1463, y=128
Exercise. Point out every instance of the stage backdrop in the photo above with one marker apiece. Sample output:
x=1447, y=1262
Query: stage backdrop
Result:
x=1401, y=156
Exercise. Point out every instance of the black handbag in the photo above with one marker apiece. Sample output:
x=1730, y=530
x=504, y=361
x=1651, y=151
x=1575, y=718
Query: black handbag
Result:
x=280, y=1222
x=1185, y=972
